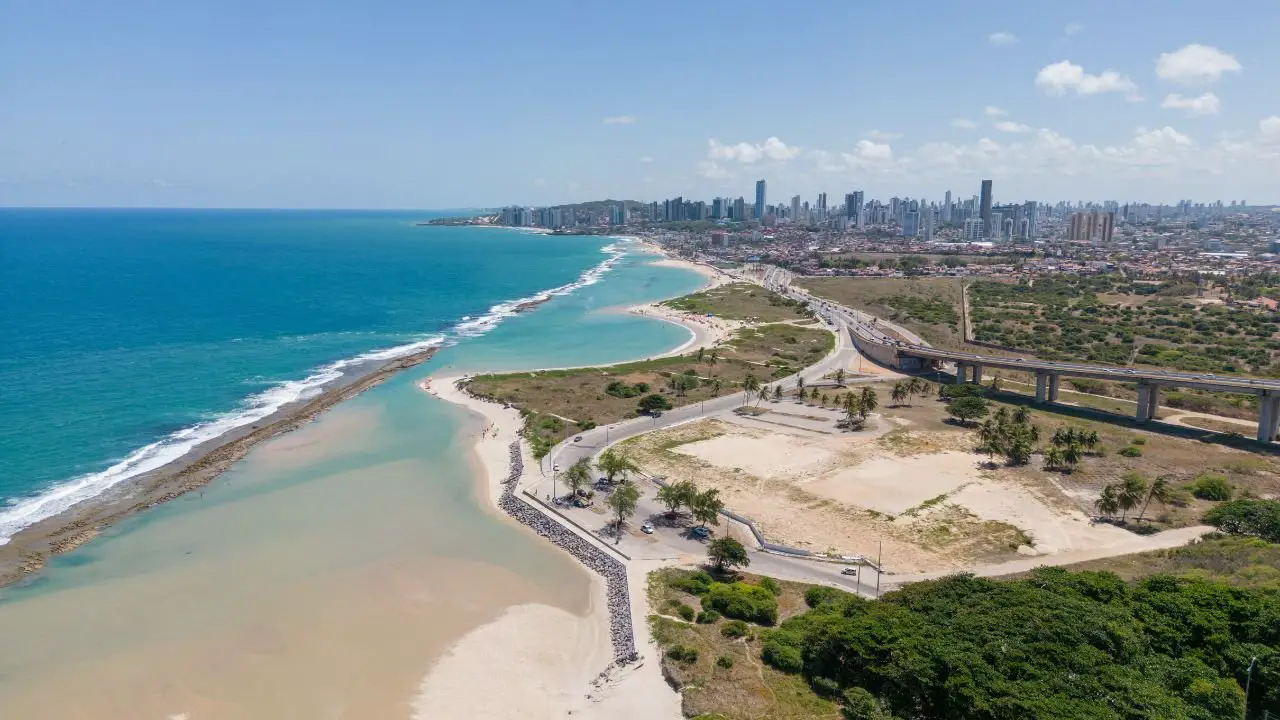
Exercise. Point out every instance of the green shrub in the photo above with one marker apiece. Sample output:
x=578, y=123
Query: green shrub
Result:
x=696, y=583
x=706, y=617
x=683, y=654
x=821, y=595
x=1131, y=452
x=685, y=612
x=1139, y=441
x=1247, y=517
x=735, y=629
x=771, y=585
x=861, y=705
x=1212, y=487
x=780, y=653
x=743, y=602
x=724, y=661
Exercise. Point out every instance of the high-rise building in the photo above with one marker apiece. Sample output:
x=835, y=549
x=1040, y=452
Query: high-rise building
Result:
x=973, y=229
x=740, y=209
x=997, y=226
x=927, y=221
x=853, y=208
x=910, y=224
x=795, y=208
x=822, y=205
x=1106, y=226
x=717, y=208
x=985, y=212
x=1030, y=216
x=760, y=199
x=946, y=208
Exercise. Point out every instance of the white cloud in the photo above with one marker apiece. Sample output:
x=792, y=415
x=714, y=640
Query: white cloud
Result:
x=881, y=135
x=747, y=153
x=1002, y=38
x=1195, y=64
x=1009, y=126
x=1206, y=104
x=1072, y=28
x=646, y=159
x=620, y=120
x=1060, y=77
x=1162, y=137
x=963, y=123
x=874, y=151
x=713, y=170
x=1270, y=126
x=993, y=111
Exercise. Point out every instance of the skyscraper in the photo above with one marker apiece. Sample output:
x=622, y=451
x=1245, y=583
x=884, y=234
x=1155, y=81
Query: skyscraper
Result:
x=822, y=205
x=946, y=208
x=985, y=212
x=760, y=199
x=910, y=224
x=740, y=209
x=853, y=208
x=795, y=208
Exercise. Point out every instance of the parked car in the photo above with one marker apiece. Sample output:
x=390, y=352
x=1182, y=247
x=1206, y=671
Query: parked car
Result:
x=647, y=528
x=577, y=438
x=699, y=533
x=850, y=571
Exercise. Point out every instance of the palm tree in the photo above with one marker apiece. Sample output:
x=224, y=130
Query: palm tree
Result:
x=852, y=406
x=840, y=377
x=613, y=463
x=916, y=386
x=1132, y=490
x=991, y=435
x=1089, y=440
x=1053, y=458
x=867, y=401
x=749, y=385
x=800, y=385
x=700, y=353
x=1108, y=503
x=716, y=386
x=579, y=475
x=1071, y=454
x=713, y=358
x=1160, y=491
x=777, y=392
x=899, y=393
x=823, y=399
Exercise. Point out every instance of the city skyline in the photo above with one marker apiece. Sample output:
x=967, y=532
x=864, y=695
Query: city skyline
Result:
x=115, y=106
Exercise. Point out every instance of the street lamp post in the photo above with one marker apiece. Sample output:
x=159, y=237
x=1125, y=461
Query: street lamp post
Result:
x=1248, y=680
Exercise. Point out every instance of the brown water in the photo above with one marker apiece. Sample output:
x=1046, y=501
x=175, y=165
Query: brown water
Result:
x=320, y=578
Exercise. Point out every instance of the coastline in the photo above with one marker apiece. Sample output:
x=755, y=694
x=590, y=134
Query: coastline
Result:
x=557, y=655
x=30, y=548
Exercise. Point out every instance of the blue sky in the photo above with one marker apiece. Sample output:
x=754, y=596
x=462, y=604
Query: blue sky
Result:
x=432, y=105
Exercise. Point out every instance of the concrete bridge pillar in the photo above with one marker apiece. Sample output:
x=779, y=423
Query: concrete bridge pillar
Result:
x=1268, y=417
x=1144, y=402
x=1042, y=387
x=1153, y=402
x=1053, y=388
x=977, y=374
x=962, y=373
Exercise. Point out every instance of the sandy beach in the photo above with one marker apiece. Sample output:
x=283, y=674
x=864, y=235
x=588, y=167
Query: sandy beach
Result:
x=553, y=659
x=29, y=550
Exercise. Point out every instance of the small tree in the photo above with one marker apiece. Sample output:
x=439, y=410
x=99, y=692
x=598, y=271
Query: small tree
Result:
x=1108, y=503
x=967, y=409
x=777, y=392
x=824, y=399
x=716, y=386
x=623, y=503
x=654, y=403
x=1132, y=489
x=1053, y=458
x=726, y=552
x=899, y=393
x=868, y=401
x=613, y=463
x=578, y=475
x=706, y=507
x=1160, y=491
x=840, y=375
x=676, y=495
x=749, y=385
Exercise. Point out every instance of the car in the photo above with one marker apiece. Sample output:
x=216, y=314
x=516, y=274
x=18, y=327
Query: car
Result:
x=647, y=528
x=577, y=438
x=850, y=571
x=699, y=533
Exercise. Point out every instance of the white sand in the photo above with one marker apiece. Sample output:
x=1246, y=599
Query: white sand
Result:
x=893, y=485
x=537, y=661
x=764, y=455
x=1053, y=530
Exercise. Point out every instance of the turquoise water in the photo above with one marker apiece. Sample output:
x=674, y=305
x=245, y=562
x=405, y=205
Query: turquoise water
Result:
x=129, y=335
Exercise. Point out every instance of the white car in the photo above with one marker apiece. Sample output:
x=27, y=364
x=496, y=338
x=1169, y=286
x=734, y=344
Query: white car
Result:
x=850, y=571
x=647, y=528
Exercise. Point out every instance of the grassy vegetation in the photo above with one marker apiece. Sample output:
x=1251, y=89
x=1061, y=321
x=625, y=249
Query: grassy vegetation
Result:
x=1240, y=561
x=558, y=403
x=1108, y=319
x=1164, y=638
x=741, y=301
x=717, y=665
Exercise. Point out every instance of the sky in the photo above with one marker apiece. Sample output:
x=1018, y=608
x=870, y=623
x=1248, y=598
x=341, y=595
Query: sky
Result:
x=478, y=104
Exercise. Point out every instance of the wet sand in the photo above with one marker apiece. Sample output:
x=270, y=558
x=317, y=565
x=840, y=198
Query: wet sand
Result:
x=29, y=550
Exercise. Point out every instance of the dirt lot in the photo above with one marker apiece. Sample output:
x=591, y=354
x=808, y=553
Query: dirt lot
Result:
x=743, y=301
x=916, y=482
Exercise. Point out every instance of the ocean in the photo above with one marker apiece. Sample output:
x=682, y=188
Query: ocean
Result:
x=324, y=574
x=130, y=336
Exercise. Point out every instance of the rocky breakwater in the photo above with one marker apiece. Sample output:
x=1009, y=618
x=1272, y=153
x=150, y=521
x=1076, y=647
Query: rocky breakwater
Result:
x=618, y=596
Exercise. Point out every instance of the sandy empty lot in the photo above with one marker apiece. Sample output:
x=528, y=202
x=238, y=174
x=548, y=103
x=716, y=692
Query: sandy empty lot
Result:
x=935, y=510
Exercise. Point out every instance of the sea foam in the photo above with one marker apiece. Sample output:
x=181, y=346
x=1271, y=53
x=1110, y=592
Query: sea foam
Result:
x=24, y=512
